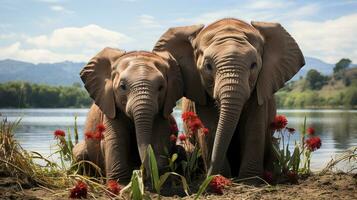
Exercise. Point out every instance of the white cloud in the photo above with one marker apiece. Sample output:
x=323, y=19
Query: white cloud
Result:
x=329, y=40
x=37, y=55
x=70, y=43
x=149, y=21
x=90, y=36
x=58, y=8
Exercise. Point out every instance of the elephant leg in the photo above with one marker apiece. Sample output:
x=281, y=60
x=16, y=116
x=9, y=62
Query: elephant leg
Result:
x=89, y=149
x=81, y=153
x=94, y=117
x=269, y=156
x=161, y=140
x=118, y=153
x=253, y=128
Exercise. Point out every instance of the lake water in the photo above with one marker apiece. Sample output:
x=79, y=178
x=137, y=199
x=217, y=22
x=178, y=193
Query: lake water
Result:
x=337, y=128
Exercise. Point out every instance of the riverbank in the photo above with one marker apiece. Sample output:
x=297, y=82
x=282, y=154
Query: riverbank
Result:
x=327, y=186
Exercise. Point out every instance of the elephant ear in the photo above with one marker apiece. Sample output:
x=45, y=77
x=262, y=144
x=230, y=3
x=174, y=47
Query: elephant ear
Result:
x=176, y=42
x=174, y=85
x=96, y=76
x=282, y=59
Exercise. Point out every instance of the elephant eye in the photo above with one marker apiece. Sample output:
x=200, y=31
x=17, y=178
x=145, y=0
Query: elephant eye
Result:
x=253, y=65
x=160, y=87
x=122, y=86
x=208, y=67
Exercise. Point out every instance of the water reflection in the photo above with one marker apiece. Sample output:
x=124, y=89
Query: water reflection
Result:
x=337, y=129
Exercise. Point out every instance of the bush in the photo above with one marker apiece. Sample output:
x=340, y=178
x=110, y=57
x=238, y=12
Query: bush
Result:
x=350, y=97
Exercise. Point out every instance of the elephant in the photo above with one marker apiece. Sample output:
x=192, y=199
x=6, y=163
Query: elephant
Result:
x=134, y=94
x=231, y=70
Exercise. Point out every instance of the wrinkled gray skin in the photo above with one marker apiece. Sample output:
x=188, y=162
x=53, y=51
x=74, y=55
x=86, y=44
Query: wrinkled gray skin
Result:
x=231, y=70
x=134, y=94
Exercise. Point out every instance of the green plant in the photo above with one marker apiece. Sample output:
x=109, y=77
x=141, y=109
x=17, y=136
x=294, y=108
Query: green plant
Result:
x=287, y=163
x=290, y=164
x=65, y=146
x=158, y=181
x=135, y=188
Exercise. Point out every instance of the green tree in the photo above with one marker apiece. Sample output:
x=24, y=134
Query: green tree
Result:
x=344, y=63
x=315, y=80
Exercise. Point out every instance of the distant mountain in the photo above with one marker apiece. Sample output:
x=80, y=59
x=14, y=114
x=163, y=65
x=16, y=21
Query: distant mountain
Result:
x=67, y=73
x=314, y=63
x=62, y=73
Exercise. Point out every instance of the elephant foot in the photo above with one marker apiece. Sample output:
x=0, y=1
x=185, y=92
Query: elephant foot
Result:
x=83, y=163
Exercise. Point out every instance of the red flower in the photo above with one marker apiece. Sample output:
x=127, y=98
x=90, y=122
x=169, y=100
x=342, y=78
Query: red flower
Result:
x=195, y=124
x=291, y=130
x=268, y=176
x=94, y=135
x=99, y=135
x=79, y=191
x=293, y=177
x=174, y=129
x=182, y=137
x=313, y=143
x=279, y=123
x=310, y=131
x=59, y=133
x=100, y=128
x=173, y=138
x=218, y=183
x=113, y=187
x=89, y=135
x=188, y=116
x=205, y=131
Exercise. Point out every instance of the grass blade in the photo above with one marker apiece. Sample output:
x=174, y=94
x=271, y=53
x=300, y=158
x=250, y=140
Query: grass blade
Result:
x=203, y=186
x=154, y=171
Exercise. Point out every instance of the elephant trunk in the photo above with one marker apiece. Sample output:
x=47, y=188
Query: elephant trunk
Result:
x=143, y=111
x=231, y=94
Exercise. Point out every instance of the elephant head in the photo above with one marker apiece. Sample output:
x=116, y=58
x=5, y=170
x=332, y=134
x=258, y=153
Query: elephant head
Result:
x=233, y=60
x=140, y=84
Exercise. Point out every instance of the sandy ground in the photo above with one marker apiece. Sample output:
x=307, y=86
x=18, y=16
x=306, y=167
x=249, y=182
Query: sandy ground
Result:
x=328, y=186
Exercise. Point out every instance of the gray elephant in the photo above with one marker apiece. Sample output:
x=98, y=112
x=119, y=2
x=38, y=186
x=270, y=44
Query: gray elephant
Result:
x=231, y=70
x=134, y=94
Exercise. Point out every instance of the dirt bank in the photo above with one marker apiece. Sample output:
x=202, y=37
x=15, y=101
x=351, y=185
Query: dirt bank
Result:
x=328, y=186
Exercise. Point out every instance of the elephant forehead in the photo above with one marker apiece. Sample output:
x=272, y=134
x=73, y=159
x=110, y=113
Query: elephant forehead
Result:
x=147, y=60
x=230, y=24
x=229, y=28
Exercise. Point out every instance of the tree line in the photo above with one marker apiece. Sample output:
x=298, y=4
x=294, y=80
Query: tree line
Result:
x=338, y=90
x=28, y=95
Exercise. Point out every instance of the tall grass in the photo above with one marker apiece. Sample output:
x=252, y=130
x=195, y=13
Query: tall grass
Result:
x=24, y=165
x=16, y=162
x=349, y=156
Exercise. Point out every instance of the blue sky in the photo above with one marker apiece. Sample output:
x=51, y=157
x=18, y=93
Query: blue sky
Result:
x=58, y=30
